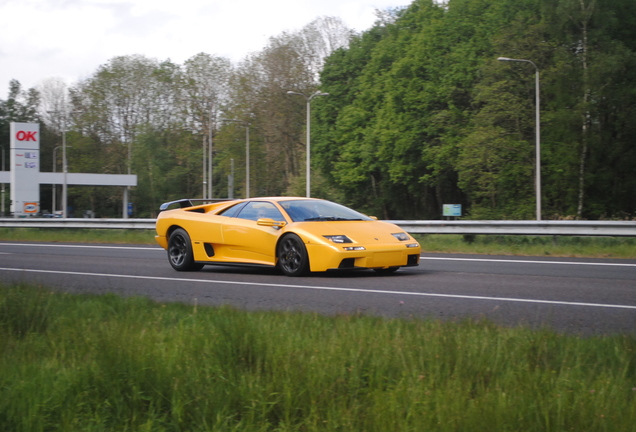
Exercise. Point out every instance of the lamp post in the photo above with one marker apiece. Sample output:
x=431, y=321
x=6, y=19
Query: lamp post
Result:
x=204, y=175
x=65, y=170
x=308, y=99
x=54, y=198
x=207, y=158
x=210, y=155
x=2, y=194
x=64, y=165
x=230, y=182
x=538, y=132
x=246, y=125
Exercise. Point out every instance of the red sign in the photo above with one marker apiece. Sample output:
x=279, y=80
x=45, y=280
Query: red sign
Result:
x=26, y=136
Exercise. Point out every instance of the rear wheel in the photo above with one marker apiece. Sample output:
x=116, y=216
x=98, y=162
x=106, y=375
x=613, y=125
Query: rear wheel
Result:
x=292, y=256
x=180, y=252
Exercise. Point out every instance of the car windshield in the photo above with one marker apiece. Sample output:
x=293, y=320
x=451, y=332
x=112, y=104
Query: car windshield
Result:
x=320, y=211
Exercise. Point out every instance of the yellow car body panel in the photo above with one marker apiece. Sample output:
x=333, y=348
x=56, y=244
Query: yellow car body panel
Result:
x=218, y=239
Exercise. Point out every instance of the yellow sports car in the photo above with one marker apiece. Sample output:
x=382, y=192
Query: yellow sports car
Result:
x=297, y=235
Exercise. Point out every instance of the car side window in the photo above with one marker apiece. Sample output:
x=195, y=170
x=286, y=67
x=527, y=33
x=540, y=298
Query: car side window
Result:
x=232, y=211
x=255, y=210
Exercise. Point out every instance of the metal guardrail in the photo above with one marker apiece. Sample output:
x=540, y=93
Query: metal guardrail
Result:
x=77, y=223
x=573, y=228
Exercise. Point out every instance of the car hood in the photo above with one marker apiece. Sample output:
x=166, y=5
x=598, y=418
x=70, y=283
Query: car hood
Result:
x=363, y=232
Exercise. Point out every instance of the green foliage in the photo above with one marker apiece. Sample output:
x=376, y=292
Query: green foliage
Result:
x=420, y=113
x=20, y=106
x=166, y=164
x=430, y=117
x=107, y=363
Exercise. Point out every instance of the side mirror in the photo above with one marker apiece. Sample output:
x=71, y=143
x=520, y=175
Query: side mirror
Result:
x=270, y=223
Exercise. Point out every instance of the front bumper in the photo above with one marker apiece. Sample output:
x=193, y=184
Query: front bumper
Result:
x=323, y=257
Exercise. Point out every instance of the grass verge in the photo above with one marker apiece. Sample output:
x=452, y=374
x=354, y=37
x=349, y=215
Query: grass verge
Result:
x=561, y=246
x=80, y=362
x=78, y=235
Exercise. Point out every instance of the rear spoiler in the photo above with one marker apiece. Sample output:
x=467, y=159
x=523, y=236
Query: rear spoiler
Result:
x=188, y=202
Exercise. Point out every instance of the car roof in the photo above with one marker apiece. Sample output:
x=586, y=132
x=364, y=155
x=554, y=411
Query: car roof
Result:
x=188, y=204
x=279, y=199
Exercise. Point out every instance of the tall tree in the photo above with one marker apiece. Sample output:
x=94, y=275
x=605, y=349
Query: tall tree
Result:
x=117, y=99
x=428, y=115
x=289, y=62
x=592, y=68
x=109, y=109
x=204, y=83
x=20, y=106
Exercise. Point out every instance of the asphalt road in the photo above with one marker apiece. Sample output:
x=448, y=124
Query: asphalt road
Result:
x=581, y=296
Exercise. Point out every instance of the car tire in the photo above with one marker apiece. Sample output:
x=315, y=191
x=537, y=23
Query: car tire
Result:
x=180, y=252
x=292, y=256
x=386, y=271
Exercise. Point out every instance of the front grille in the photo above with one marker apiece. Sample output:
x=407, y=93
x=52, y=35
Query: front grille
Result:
x=413, y=260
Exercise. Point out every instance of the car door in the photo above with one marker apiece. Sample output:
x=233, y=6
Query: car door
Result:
x=246, y=241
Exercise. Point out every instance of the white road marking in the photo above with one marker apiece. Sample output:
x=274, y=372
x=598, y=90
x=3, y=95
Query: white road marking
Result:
x=149, y=248
x=308, y=287
x=513, y=261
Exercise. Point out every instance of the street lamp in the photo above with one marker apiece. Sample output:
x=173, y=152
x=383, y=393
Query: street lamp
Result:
x=308, y=99
x=65, y=170
x=247, y=153
x=208, y=153
x=2, y=198
x=230, y=182
x=64, y=165
x=54, y=198
x=538, y=133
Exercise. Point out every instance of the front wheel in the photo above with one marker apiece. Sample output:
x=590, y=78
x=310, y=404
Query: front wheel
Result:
x=180, y=252
x=292, y=256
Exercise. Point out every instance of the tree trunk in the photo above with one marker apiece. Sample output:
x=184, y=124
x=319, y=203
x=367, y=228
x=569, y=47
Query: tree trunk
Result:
x=586, y=12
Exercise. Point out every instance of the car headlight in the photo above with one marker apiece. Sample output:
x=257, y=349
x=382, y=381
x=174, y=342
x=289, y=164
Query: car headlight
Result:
x=338, y=238
x=401, y=236
x=354, y=248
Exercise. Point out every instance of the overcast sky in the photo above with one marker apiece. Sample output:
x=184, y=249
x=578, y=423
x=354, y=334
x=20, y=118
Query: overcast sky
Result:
x=69, y=39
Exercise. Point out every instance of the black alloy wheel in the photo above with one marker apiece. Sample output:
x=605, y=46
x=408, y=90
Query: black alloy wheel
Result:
x=180, y=252
x=292, y=256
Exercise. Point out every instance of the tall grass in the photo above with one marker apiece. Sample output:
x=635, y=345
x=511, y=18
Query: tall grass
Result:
x=86, y=363
x=131, y=236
